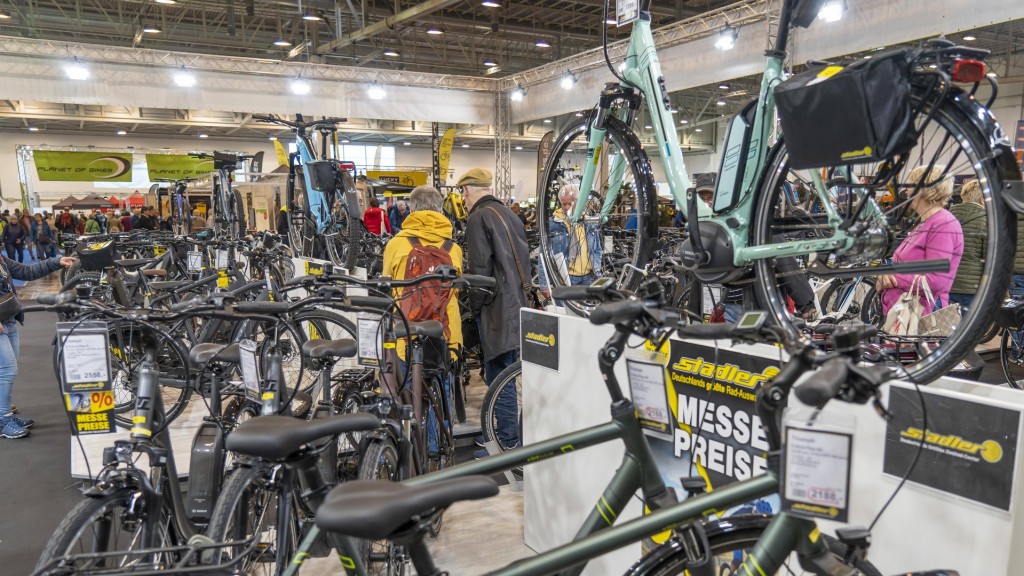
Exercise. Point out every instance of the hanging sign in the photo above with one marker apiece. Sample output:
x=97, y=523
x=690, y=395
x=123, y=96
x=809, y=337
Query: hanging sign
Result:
x=250, y=369
x=177, y=166
x=84, y=351
x=90, y=412
x=403, y=177
x=816, y=472
x=369, y=335
x=444, y=152
x=60, y=166
x=539, y=335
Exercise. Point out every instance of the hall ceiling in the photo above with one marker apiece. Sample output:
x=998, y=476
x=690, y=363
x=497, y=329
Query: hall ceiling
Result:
x=472, y=33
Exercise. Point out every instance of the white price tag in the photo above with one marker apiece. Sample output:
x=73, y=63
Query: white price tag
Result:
x=84, y=356
x=370, y=336
x=711, y=294
x=647, y=387
x=626, y=11
x=250, y=369
x=816, y=473
x=222, y=259
x=195, y=261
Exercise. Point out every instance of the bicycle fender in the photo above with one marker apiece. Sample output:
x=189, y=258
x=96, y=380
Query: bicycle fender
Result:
x=666, y=555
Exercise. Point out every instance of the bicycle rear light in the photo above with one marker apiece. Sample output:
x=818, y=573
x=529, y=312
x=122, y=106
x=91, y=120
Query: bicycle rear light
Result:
x=969, y=71
x=347, y=165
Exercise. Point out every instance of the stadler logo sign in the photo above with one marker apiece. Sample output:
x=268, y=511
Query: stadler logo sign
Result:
x=548, y=340
x=989, y=450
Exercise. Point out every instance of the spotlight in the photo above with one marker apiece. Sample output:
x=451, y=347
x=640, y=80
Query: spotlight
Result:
x=517, y=93
x=490, y=4
x=204, y=136
x=568, y=80
x=519, y=147
x=149, y=29
x=184, y=79
x=391, y=53
x=282, y=42
x=542, y=44
x=121, y=133
x=726, y=38
x=970, y=38
x=490, y=63
x=435, y=31
x=311, y=16
x=720, y=103
x=376, y=91
x=77, y=71
x=832, y=11
x=300, y=87
x=465, y=145
x=272, y=138
x=33, y=129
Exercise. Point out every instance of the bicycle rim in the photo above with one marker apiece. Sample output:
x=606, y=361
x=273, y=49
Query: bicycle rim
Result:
x=501, y=415
x=566, y=257
x=958, y=149
x=1011, y=357
x=382, y=557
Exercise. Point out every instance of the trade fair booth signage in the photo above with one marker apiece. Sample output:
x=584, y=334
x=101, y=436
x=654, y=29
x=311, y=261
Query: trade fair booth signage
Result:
x=62, y=166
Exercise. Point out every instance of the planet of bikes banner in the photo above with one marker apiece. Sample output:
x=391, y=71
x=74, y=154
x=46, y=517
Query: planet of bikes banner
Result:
x=697, y=406
x=177, y=166
x=62, y=166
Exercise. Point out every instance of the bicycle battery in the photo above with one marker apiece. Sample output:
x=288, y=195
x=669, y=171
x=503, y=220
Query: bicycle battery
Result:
x=205, y=472
x=737, y=153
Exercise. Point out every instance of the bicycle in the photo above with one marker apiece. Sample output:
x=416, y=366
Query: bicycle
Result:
x=315, y=228
x=751, y=227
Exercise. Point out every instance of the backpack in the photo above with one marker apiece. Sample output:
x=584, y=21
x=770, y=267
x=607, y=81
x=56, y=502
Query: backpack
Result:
x=65, y=221
x=429, y=300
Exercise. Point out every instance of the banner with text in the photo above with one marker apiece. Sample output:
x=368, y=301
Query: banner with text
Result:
x=405, y=178
x=177, y=166
x=59, y=166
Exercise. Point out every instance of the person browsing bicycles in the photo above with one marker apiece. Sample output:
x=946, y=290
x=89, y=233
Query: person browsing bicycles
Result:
x=375, y=219
x=10, y=315
x=579, y=244
x=971, y=215
x=497, y=247
x=426, y=239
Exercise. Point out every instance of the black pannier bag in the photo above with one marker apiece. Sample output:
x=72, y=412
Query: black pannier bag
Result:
x=96, y=256
x=847, y=115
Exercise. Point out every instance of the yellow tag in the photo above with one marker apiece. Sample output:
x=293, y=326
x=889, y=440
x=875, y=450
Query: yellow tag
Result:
x=141, y=431
x=138, y=419
x=389, y=345
x=814, y=535
x=222, y=279
x=267, y=395
x=97, y=245
x=159, y=250
x=829, y=72
x=99, y=401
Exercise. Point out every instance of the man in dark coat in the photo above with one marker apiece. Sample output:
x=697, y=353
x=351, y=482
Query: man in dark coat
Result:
x=497, y=247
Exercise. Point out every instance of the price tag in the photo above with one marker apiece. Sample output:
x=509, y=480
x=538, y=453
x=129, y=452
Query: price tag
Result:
x=250, y=370
x=647, y=388
x=159, y=250
x=318, y=267
x=222, y=279
x=816, y=472
x=626, y=11
x=369, y=334
x=84, y=351
x=195, y=261
x=222, y=259
x=711, y=294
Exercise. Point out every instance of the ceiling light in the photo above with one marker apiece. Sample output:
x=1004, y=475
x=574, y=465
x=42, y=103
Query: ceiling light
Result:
x=684, y=121
x=519, y=147
x=726, y=38
x=991, y=74
x=970, y=38
x=867, y=57
x=150, y=29
x=490, y=62
x=282, y=42
x=376, y=91
x=933, y=66
x=435, y=31
x=204, y=136
x=272, y=138
x=648, y=127
x=168, y=2
x=76, y=71
x=312, y=17
x=391, y=53
x=5, y=15
x=33, y=129
x=542, y=44
x=300, y=87
x=610, y=22
x=547, y=120
x=490, y=4
x=674, y=110
x=406, y=143
x=723, y=86
x=568, y=80
x=517, y=93
x=832, y=11
x=184, y=79
x=579, y=114
x=698, y=129
x=465, y=145
x=720, y=103
x=121, y=132
x=345, y=140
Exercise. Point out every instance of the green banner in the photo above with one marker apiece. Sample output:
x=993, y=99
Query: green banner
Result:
x=54, y=166
x=177, y=166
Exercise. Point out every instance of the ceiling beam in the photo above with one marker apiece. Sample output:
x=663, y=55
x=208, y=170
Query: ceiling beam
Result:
x=417, y=11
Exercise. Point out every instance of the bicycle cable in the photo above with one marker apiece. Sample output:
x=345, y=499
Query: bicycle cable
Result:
x=604, y=48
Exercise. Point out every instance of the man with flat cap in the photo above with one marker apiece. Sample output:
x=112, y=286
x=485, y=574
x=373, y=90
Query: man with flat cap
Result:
x=497, y=247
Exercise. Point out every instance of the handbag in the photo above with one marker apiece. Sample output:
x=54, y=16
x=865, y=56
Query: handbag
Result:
x=524, y=283
x=10, y=306
x=941, y=322
x=904, y=317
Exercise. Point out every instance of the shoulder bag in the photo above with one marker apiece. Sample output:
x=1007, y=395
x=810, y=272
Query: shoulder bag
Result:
x=525, y=284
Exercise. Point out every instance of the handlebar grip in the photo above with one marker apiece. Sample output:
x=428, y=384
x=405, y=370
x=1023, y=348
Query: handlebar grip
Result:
x=715, y=331
x=617, y=312
x=569, y=293
x=186, y=304
x=263, y=307
x=477, y=281
x=300, y=280
x=56, y=299
x=371, y=302
x=824, y=384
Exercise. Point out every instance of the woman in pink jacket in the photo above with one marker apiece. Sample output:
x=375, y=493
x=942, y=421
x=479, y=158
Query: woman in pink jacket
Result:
x=937, y=237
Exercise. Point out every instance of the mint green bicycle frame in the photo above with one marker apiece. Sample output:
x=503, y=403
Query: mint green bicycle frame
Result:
x=643, y=70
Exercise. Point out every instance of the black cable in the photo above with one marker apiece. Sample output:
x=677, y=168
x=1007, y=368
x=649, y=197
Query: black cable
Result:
x=604, y=48
x=913, y=463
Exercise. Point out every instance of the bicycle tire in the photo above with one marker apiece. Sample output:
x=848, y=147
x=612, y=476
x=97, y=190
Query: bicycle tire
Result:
x=671, y=559
x=972, y=151
x=1011, y=357
x=490, y=413
x=246, y=507
x=380, y=462
x=238, y=225
x=562, y=166
x=92, y=510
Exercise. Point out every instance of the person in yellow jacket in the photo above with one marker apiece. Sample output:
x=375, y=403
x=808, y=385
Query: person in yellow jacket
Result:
x=429, y=226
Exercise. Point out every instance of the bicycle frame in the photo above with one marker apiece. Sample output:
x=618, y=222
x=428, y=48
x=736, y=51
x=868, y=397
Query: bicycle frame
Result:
x=643, y=70
x=316, y=200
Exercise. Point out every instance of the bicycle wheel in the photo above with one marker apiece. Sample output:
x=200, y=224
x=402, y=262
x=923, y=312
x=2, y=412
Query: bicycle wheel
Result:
x=314, y=324
x=501, y=415
x=380, y=462
x=729, y=547
x=238, y=227
x=247, y=509
x=951, y=142
x=624, y=183
x=104, y=524
x=1011, y=357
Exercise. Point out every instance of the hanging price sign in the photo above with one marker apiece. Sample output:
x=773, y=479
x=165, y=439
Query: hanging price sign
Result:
x=369, y=334
x=84, y=352
x=250, y=369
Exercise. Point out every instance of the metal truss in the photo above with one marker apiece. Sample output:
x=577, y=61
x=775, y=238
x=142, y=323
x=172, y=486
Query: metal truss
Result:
x=503, y=146
x=232, y=64
x=706, y=24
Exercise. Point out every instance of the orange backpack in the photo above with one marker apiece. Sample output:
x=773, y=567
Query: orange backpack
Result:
x=429, y=300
